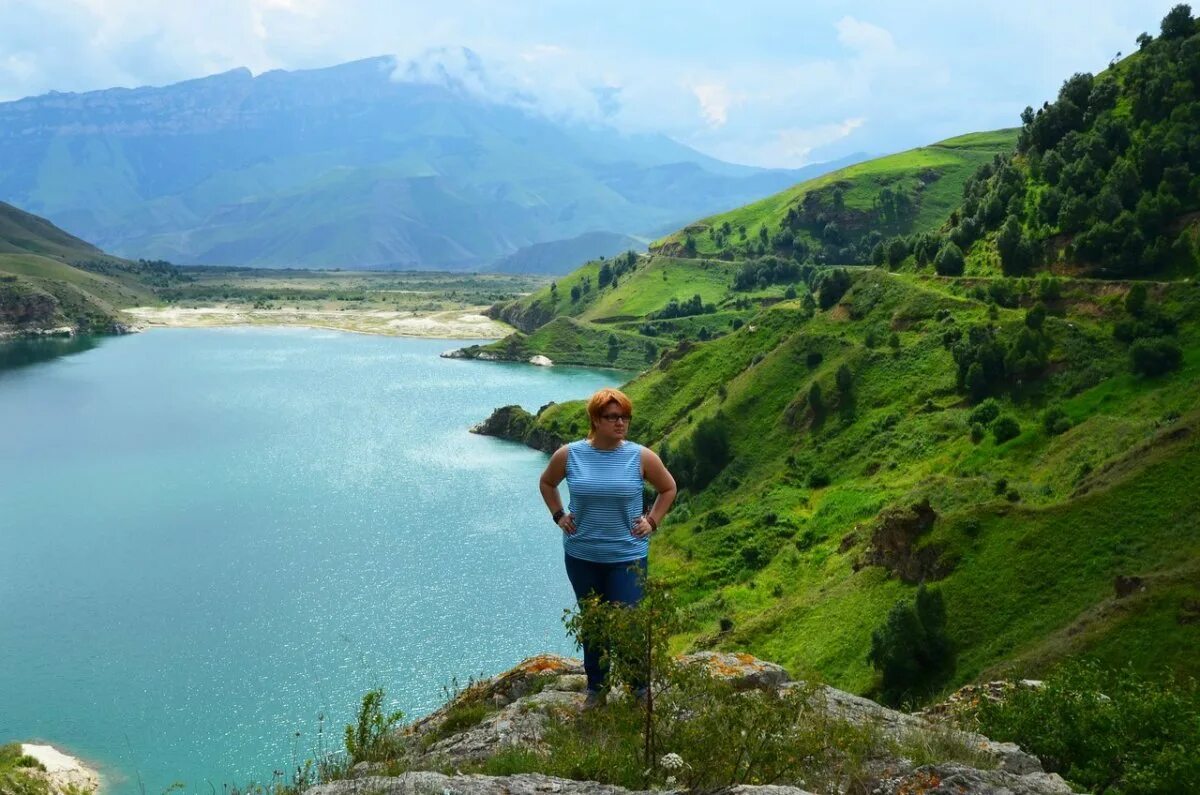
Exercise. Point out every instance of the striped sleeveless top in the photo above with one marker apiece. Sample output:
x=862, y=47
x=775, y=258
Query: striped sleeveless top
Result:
x=606, y=500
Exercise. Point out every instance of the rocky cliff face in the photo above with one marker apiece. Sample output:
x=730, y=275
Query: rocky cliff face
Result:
x=517, y=425
x=520, y=705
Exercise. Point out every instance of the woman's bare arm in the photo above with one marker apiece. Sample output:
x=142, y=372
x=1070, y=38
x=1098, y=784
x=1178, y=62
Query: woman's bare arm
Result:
x=657, y=475
x=554, y=473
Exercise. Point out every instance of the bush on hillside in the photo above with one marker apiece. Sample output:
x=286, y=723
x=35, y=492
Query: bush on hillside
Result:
x=949, y=261
x=702, y=456
x=1135, y=299
x=1055, y=421
x=1152, y=357
x=833, y=285
x=1103, y=730
x=1005, y=428
x=845, y=381
x=911, y=651
x=985, y=412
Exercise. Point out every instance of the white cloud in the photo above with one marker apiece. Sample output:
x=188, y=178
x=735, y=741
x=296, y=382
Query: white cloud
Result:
x=715, y=100
x=797, y=144
x=865, y=38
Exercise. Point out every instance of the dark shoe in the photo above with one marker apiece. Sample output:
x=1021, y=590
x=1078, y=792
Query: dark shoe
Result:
x=595, y=698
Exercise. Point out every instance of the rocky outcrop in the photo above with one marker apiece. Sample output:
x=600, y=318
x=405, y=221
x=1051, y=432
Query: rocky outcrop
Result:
x=427, y=783
x=515, y=709
x=517, y=425
x=893, y=545
x=527, y=317
x=956, y=779
x=507, y=422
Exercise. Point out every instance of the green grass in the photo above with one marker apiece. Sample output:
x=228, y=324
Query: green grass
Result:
x=14, y=776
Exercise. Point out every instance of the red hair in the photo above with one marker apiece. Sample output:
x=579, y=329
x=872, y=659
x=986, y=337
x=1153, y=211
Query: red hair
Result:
x=597, y=402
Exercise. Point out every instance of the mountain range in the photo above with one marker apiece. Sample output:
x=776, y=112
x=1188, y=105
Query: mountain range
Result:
x=348, y=167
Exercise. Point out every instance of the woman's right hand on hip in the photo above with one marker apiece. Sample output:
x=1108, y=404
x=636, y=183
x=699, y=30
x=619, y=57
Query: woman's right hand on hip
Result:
x=567, y=523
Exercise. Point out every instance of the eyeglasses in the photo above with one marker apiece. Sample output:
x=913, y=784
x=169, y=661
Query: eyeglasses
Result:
x=616, y=417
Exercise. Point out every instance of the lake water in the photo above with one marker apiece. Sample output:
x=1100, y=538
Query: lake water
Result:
x=211, y=539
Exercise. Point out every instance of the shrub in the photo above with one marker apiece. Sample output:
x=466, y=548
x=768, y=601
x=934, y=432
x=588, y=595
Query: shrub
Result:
x=1005, y=428
x=1055, y=421
x=949, y=261
x=912, y=651
x=1103, y=730
x=845, y=380
x=1152, y=357
x=1135, y=299
x=813, y=359
x=977, y=432
x=717, y=518
x=370, y=739
x=816, y=401
x=833, y=286
x=985, y=412
x=818, y=479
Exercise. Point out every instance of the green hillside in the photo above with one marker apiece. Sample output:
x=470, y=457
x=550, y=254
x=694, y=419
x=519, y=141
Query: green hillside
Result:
x=50, y=279
x=1026, y=447
x=1105, y=181
x=841, y=216
x=806, y=536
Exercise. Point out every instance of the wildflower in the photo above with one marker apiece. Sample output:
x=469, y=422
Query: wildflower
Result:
x=671, y=762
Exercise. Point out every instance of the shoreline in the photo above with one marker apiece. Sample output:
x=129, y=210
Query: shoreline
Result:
x=467, y=323
x=63, y=771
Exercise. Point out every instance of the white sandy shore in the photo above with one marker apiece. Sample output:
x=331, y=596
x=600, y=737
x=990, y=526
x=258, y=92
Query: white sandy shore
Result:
x=63, y=771
x=466, y=323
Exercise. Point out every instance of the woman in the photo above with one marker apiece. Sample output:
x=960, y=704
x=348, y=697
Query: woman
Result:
x=605, y=534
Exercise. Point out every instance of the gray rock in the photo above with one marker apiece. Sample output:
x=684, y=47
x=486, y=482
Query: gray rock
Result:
x=856, y=709
x=521, y=724
x=954, y=779
x=766, y=789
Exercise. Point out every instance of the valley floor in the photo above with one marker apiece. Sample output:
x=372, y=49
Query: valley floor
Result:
x=461, y=323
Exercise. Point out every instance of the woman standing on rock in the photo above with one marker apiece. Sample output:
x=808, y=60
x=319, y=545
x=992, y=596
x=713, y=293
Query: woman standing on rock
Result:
x=606, y=537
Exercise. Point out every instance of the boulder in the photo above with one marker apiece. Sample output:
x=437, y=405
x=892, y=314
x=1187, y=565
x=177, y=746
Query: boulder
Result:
x=744, y=671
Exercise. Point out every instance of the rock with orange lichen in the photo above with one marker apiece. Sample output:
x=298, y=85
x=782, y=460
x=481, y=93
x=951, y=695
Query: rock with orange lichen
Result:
x=744, y=671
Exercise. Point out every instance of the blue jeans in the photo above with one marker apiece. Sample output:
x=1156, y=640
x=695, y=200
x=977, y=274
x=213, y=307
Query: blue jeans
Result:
x=612, y=582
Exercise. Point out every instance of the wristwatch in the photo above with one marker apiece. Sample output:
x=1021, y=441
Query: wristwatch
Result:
x=559, y=514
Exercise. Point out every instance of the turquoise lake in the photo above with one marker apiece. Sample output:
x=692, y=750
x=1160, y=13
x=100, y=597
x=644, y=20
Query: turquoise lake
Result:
x=214, y=541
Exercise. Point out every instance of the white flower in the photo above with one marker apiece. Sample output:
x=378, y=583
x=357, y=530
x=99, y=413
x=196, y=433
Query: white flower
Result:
x=670, y=781
x=671, y=762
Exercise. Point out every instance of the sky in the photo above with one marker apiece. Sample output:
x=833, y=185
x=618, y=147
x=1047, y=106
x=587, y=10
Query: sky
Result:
x=777, y=84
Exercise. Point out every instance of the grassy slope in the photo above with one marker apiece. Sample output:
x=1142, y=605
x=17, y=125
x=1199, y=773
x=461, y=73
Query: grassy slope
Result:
x=950, y=161
x=1114, y=495
x=36, y=258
